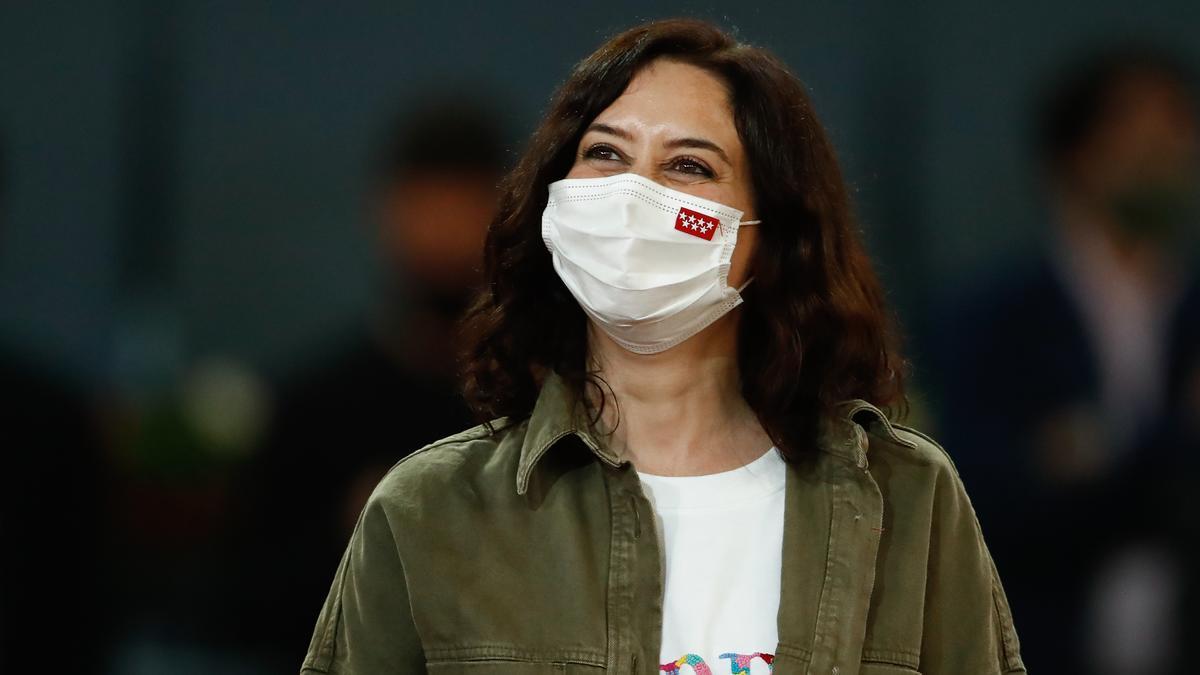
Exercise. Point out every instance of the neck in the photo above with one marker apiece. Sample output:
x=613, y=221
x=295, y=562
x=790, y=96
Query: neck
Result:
x=679, y=412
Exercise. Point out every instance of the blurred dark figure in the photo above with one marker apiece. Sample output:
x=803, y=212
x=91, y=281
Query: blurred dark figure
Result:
x=1058, y=382
x=387, y=390
x=52, y=566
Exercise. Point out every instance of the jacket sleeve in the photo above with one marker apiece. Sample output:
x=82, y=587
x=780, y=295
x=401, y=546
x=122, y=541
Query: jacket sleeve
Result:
x=968, y=624
x=366, y=625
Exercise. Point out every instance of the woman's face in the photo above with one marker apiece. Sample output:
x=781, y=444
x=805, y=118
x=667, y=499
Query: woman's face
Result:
x=674, y=125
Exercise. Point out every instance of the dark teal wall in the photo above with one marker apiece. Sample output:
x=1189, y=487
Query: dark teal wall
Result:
x=185, y=177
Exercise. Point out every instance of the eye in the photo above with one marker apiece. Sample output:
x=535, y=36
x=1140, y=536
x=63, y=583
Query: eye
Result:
x=692, y=166
x=602, y=152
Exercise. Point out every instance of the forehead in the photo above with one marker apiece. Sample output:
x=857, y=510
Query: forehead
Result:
x=1145, y=112
x=674, y=98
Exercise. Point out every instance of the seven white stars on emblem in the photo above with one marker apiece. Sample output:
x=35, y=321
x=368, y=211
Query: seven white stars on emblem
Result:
x=697, y=223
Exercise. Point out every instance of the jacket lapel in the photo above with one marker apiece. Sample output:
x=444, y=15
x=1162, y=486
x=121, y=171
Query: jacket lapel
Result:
x=826, y=590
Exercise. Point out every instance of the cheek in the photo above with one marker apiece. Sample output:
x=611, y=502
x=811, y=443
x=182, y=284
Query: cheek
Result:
x=583, y=170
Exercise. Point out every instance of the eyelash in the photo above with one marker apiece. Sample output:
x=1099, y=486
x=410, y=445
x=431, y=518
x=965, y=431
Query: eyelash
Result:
x=701, y=169
x=594, y=152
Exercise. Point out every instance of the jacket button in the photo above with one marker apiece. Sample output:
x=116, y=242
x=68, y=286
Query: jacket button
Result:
x=633, y=664
x=835, y=670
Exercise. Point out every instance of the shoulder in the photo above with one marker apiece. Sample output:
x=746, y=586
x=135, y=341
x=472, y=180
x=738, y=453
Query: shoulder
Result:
x=914, y=467
x=477, y=460
x=907, y=443
x=930, y=533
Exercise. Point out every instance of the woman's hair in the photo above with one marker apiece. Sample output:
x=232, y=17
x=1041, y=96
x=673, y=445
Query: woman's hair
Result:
x=813, y=328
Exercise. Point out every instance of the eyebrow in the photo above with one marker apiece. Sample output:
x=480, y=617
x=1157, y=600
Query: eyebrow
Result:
x=613, y=131
x=698, y=143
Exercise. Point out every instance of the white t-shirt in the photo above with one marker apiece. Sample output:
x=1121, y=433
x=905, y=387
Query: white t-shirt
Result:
x=722, y=535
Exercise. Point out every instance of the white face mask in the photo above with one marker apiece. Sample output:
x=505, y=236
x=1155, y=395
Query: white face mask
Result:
x=649, y=265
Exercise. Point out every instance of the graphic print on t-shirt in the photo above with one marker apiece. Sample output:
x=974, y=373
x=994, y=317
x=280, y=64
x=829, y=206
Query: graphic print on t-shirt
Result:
x=739, y=664
x=722, y=537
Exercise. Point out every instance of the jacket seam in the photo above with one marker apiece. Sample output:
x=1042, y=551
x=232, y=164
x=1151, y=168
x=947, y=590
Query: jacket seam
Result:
x=1011, y=657
x=895, y=657
x=1009, y=649
x=921, y=435
x=323, y=659
x=508, y=652
x=473, y=434
x=823, y=603
x=795, y=651
x=889, y=428
x=613, y=600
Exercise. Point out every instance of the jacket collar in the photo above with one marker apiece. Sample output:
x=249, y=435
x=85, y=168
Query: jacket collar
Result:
x=558, y=413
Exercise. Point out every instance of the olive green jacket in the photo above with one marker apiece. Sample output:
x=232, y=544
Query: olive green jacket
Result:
x=533, y=550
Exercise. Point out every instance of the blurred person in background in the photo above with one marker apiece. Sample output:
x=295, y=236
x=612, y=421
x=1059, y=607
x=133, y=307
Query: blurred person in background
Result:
x=52, y=517
x=1057, y=380
x=386, y=390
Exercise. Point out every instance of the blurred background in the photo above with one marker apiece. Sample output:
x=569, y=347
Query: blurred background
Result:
x=234, y=238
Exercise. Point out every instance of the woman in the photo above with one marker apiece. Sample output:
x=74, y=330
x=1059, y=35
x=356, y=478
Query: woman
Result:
x=685, y=354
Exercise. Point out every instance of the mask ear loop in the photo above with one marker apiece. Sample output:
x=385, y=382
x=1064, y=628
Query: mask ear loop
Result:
x=746, y=282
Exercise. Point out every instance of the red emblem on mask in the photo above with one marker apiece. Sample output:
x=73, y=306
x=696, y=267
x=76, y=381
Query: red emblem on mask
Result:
x=696, y=224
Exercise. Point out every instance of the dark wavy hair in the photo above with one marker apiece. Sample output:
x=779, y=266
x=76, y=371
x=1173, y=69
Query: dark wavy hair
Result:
x=813, y=328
